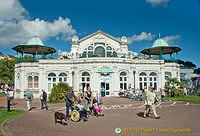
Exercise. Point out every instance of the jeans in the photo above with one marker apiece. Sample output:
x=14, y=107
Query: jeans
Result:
x=67, y=108
x=29, y=103
x=11, y=100
x=44, y=102
x=103, y=94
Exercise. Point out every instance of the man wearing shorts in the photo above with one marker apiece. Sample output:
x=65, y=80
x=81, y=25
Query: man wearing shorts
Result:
x=150, y=103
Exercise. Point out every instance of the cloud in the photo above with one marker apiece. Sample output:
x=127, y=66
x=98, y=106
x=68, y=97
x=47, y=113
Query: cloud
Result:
x=16, y=28
x=157, y=3
x=142, y=37
x=171, y=39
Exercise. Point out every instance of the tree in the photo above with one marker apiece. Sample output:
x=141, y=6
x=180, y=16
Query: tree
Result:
x=174, y=88
x=58, y=92
x=189, y=64
x=7, y=68
x=197, y=71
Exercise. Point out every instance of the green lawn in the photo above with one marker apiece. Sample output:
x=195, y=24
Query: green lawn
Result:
x=188, y=98
x=4, y=115
x=2, y=95
x=63, y=101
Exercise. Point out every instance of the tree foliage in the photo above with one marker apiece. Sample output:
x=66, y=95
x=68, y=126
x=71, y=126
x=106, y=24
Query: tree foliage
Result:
x=187, y=64
x=7, y=70
x=174, y=88
x=58, y=92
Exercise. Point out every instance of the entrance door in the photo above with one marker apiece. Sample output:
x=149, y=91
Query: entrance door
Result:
x=106, y=85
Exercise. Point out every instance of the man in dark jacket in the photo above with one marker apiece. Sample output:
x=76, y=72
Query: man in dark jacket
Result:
x=70, y=98
x=43, y=98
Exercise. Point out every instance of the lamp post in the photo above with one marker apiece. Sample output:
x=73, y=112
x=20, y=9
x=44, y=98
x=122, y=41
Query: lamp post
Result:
x=134, y=78
x=73, y=79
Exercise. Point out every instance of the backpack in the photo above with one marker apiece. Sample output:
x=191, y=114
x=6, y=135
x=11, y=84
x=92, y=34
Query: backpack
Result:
x=44, y=95
x=29, y=96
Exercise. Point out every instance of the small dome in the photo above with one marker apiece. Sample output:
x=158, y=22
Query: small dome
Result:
x=35, y=41
x=160, y=43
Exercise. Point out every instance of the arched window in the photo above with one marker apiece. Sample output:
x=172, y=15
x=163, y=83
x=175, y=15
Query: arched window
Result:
x=123, y=80
x=143, y=80
x=30, y=82
x=62, y=77
x=90, y=48
x=51, y=81
x=36, y=81
x=99, y=51
x=85, y=79
x=153, y=80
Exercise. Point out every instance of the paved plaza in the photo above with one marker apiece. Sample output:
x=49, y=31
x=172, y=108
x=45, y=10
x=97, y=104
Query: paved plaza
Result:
x=119, y=112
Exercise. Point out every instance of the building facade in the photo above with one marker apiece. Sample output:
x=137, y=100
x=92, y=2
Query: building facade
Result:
x=96, y=60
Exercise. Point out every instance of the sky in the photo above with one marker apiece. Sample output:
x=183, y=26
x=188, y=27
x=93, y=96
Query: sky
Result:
x=141, y=21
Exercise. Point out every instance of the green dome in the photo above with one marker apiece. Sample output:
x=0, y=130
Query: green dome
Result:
x=160, y=43
x=35, y=41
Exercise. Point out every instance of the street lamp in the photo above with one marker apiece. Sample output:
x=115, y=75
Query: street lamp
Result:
x=134, y=78
x=72, y=78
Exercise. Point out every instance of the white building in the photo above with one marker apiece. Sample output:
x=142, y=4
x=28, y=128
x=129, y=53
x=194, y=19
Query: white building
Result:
x=98, y=59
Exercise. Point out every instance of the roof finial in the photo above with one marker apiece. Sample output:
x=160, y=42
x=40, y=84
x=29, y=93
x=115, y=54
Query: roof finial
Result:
x=159, y=35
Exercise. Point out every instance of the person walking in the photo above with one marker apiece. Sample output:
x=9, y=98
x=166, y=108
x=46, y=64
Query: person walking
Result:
x=70, y=98
x=43, y=99
x=102, y=91
x=150, y=103
x=29, y=98
x=88, y=98
x=11, y=94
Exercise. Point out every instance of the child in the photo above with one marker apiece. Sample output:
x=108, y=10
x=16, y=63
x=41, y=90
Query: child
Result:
x=97, y=108
x=83, y=111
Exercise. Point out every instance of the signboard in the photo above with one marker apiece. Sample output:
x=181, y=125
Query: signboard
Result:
x=105, y=79
x=104, y=70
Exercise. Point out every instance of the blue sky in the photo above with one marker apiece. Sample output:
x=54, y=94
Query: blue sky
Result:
x=55, y=21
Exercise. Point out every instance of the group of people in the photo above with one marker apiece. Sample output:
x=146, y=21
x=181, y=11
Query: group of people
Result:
x=86, y=101
x=29, y=98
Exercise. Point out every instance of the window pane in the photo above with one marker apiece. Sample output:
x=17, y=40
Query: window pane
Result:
x=88, y=78
x=49, y=79
x=155, y=86
x=109, y=54
x=65, y=79
x=150, y=83
x=145, y=79
x=62, y=74
x=154, y=78
x=60, y=79
x=90, y=54
x=36, y=78
x=141, y=86
x=140, y=79
x=122, y=74
x=30, y=85
x=83, y=79
x=120, y=78
x=145, y=84
x=150, y=78
x=36, y=85
x=54, y=79
x=121, y=86
x=30, y=78
x=125, y=86
x=107, y=86
x=125, y=79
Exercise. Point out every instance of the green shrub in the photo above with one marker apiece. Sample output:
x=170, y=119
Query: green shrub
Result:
x=198, y=92
x=58, y=92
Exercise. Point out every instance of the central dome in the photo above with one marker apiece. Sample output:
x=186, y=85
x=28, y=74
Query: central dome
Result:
x=35, y=41
x=160, y=43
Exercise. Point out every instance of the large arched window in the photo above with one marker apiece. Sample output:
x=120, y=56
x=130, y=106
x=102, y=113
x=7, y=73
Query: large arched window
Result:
x=30, y=82
x=85, y=79
x=153, y=80
x=62, y=77
x=51, y=81
x=36, y=82
x=143, y=80
x=123, y=80
x=99, y=51
x=33, y=82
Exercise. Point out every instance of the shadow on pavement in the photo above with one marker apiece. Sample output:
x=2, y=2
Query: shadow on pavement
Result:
x=140, y=114
x=62, y=123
